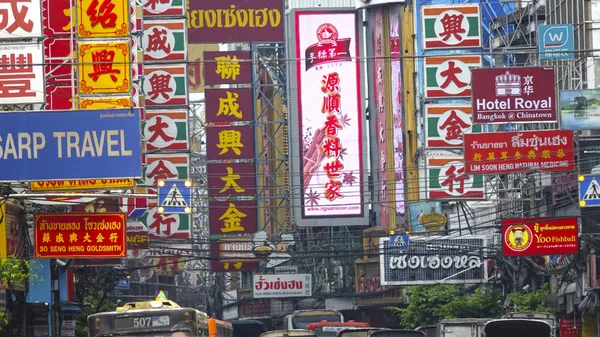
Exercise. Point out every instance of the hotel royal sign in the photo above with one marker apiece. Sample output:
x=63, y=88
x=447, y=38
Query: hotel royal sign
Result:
x=104, y=67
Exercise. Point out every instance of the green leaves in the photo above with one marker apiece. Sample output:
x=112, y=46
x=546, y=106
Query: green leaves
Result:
x=16, y=271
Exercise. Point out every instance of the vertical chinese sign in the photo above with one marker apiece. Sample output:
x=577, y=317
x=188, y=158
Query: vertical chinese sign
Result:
x=448, y=77
x=165, y=128
x=329, y=120
x=21, y=64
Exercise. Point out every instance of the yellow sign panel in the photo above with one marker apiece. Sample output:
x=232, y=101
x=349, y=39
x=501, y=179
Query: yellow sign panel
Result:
x=104, y=68
x=105, y=103
x=86, y=184
x=161, y=296
x=102, y=18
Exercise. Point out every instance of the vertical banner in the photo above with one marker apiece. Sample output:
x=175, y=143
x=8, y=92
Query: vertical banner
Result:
x=329, y=119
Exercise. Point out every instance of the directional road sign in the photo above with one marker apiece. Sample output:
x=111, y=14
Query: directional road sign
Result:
x=123, y=283
x=399, y=242
x=589, y=190
x=174, y=196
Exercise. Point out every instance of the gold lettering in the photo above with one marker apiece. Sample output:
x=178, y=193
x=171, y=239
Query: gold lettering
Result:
x=274, y=17
x=241, y=16
x=211, y=18
x=261, y=18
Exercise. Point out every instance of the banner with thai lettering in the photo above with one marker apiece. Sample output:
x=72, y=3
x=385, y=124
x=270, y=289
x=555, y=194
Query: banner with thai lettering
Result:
x=431, y=260
x=229, y=21
x=540, y=236
x=330, y=115
x=504, y=152
x=282, y=286
x=218, y=266
x=228, y=67
x=74, y=185
x=570, y=327
x=83, y=235
x=229, y=105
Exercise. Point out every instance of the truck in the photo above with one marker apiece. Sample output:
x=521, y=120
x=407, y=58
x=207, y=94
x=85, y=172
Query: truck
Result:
x=541, y=316
x=461, y=327
x=516, y=327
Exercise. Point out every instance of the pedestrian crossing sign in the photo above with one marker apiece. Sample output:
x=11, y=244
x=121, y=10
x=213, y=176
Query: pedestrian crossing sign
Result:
x=174, y=196
x=589, y=191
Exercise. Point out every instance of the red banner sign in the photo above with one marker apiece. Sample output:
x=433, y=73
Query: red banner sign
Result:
x=231, y=179
x=231, y=142
x=217, y=266
x=570, y=327
x=504, y=152
x=87, y=235
x=232, y=217
x=513, y=95
x=539, y=236
x=227, y=67
x=229, y=105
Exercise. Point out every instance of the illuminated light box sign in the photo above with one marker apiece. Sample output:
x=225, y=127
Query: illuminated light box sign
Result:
x=66, y=145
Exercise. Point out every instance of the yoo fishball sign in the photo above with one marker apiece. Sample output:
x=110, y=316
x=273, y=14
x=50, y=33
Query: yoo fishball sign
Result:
x=539, y=236
x=67, y=145
x=513, y=95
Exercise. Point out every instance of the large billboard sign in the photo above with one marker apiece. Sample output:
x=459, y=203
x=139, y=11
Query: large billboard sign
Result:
x=513, y=95
x=329, y=115
x=539, y=236
x=21, y=73
x=64, y=145
x=84, y=235
x=434, y=259
x=504, y=152
x=580, y=109
x=235, y=21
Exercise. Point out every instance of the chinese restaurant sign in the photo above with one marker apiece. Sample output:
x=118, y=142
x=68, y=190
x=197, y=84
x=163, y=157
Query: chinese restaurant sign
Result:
x=449, y=76
x=509, y=95
x=451, y=27
x=446, y=125
x=229, y=21
x=330, y=114
x=74, y=185
x=231, y=179
x=84, y=235
x=230, y=142
x=77, y=144
x=232, y=217
x=102, y=18
x=447, y=179
x=154, y=8
x=229, y=105
x=165, y=85
x=504, y=152
x=164, y=40
x=539, y=236
x=232, y=67
x=104, y=67
x=21, y=74
x=20, y=19
x=166, y=130
x=166, y=226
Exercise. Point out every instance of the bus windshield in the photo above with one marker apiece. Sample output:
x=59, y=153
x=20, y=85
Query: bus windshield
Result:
x=302, y=321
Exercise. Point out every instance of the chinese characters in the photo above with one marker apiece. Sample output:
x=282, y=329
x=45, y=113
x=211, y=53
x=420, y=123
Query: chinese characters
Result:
x=332, y=146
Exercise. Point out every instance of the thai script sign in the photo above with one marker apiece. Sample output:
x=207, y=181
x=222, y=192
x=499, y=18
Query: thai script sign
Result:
x=434, y=259
x=85, y=184
x=65, y=145
x=570, y=327
x=282, y=285
x=228, y=67
x=449, y=76
x=20, y=19
x=235, y=21
x=539, y=236
x=447, y=178
x=451, y=26
x=229, y=105
x=446, y=124
x=503, y=152
x=105, y=18
x=330, y=115
x=224, y=266
x=21, y=74
x=509, y=95
x=236, y=249
x=564, y=187
x=87, y=235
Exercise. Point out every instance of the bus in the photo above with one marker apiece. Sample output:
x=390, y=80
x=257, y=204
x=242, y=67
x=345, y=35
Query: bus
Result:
x=300, y=319
x=149, y=318
x=248, y=328
x=217, y=328
x=330, y=329
x=517, y=328
x=289, y=333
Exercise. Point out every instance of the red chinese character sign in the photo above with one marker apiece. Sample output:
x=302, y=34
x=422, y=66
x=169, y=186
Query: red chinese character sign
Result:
x=509, y=95
x=58, y=22
x=232, y=67
x=164, y=40
x=446, y=125
x=539, y=236
x=449, y=76
x=164, y=166
x=165, y=85
x=20, y=19
x=330, y=115
x=229, y=105
x=234, y=179
x=451, y=26
x=230, y=142
x=232, y=217
x=21, y=74
x=166, y=226
x=102, y=18
x=448, y=179
x=166, y=130
x=504, y=152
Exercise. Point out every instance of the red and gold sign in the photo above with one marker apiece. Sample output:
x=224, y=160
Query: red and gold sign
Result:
x=113, y=102
x=104, y=67
x=231, y=265
x=539, y=236
x=230, y=142
x=102, y=18
x=229, y=105
x=232, y=217
x=232, y=67
x=86, y=235
x=231, y=179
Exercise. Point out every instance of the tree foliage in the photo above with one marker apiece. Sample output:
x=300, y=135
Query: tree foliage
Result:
x=530, y=301
x=92, y=289
x=15, y=271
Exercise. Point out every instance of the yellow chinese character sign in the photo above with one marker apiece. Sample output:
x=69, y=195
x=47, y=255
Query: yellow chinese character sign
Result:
x=102, y=18
x=104, y=68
